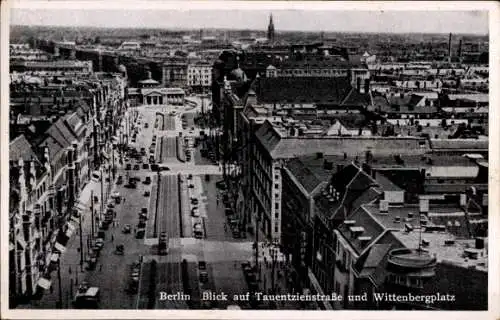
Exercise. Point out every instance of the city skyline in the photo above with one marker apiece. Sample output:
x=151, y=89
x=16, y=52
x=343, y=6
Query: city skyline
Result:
x=466, y=22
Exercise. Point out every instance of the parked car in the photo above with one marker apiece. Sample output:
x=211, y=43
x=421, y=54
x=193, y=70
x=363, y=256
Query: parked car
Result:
x=127, y=228
x=128, y=166
x=147, y=180
x=195, y=212
x=99, y=243
x=194, y=201
x=198, y=231
x=147, y=193
x=119, y=181
x=145, y=166
x=136, y=167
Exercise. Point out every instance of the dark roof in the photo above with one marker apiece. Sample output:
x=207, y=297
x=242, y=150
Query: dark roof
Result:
x=386, y=184
x=20, y=148
x=355, y=98
x=303, y=174
x=371, y=228
x=355, y=188
x=302, y=90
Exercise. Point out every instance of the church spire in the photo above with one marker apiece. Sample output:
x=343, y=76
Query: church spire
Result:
x=270, y=29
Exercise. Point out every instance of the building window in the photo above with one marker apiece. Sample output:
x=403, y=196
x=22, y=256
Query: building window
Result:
x=276, y=186
x=277, y=206
x=276, y=177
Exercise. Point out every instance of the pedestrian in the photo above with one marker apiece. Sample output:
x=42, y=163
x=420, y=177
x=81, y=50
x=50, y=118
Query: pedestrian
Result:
x=69, y=270
x=112, y=238
x=100, y=267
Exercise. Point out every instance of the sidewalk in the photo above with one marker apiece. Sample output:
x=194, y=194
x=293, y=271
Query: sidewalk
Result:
x=72, y=272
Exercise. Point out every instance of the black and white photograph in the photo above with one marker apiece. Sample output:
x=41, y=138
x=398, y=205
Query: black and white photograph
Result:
x=247, y=159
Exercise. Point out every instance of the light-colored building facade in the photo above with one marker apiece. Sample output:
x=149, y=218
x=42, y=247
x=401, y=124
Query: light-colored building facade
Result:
x=199, y=76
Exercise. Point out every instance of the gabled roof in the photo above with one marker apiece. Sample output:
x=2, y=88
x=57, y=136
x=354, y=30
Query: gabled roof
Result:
x=20, y=148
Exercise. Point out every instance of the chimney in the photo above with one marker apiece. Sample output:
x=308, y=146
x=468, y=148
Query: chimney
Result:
x=424, y=206
x=480, y=243
x=368, y=156
x=327, y=165
x=384, y=206
x=463, y=200
x=367, y=86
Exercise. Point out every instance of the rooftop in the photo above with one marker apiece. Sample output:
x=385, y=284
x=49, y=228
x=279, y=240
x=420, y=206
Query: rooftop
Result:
x=451, y=254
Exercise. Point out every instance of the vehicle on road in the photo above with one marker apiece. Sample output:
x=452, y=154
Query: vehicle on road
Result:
x=203, y=276
x=163, y=244
x=194, y=201
x=162, y=167
x=120, y=250
x=99, y=243
x=147, y=193
x=136, y=167
x=155, y=167
x=87, y=297
x=202, y=265
x=96, y=175
x=139, y=233
x=195, y=212
x=145, y=166
x=141, y=224
x=127, y=228
x=147, y=180
x=91, y=261
x=198, y=231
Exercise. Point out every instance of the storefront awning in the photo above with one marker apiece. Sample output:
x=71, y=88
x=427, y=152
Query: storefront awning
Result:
x=54, y=257
x=44, y=283
x=59, y=247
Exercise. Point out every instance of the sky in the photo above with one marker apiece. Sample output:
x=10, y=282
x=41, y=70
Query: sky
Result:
x=473, y=22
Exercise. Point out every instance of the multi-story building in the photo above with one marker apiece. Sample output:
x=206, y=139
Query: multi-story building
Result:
x=174, y=73
x=199, y=76
x=273, y=145
x=84, y=67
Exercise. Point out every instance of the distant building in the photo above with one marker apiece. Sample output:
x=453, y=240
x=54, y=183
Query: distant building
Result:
x=199, y=76
x=52, y=66
x=150, y=93
x=270, y=29
x=174, y=73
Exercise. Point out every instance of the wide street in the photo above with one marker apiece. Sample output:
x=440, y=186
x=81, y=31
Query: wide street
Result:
x=169, y=209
